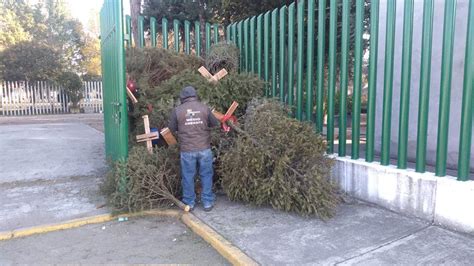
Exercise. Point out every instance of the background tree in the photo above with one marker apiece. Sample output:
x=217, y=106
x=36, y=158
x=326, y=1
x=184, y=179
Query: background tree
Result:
x=30, y=61
x=72, y=84
x=48, y=24
x=90, y=61
x=15, y=22
x=135, y=10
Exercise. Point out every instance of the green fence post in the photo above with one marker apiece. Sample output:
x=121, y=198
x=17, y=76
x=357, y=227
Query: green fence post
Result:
x=374, y=33
x=176, y=35
x=321, y=61
x=283, y=62
x=445, y=88
x=113, y=71
x=467, y=102
x=357, y=80
x=141, y=32
x=291, y=53
x=309, y=61
x=164, y=32
x=128, y=31
x=227, y=33
x=274, y=51
x=425, y=77
x=344, y=78
x=241, y=45
x=208, y=38
x=405, y=86
x=252, y=44
x=246, y=45
x=299, y=63
x=332, y=74
x=187, y=40
x=266, y=49
x=153, y=31
x=234, y=33
x=216, y=33
x=197, y=37
x=388, y=82
x=259, y=44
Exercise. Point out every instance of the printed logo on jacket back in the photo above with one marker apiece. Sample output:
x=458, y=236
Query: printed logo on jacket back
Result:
x=192, y=118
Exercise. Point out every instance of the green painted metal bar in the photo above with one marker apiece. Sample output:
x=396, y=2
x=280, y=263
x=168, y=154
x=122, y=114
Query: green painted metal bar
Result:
x=321, y=61
x=374, y=37
x=240, y=44
x=153, y=31
x=208, y=38
x=252, y=44
x=227, y=33
x=266, y=50
x=291, y=52
x=467, y=101
x=274, y=58
x=445, y=88
x=176, y=35
x=259, y=45
x=425, y=77
x=141, y=32
x=164, y=30
x=309, y=61
x=332, y=73
x=234, y=33
x=128, y=31
x=405, y=86
x=344, y=78
x=113, y=71
x=357, y=79
x=388, y=82
x=197, y=37
x=187, y=37
x=246, y=45
x=215, y=27
x=282, y=56
x=299, y=60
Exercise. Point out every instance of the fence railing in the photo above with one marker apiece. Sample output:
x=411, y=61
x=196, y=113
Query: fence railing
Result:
x=314, y=56
x=41, y=97
x=184, y=32
x=300, y=84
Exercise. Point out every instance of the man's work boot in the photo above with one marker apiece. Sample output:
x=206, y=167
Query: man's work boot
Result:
x=208, y=208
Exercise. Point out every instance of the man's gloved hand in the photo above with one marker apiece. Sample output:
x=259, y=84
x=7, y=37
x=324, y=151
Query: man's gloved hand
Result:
x=224, y=119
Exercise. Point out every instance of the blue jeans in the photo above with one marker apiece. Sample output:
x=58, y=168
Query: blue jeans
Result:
x=190, y=162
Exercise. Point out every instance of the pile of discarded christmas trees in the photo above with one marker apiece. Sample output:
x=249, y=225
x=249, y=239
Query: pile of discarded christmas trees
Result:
x=268, y=158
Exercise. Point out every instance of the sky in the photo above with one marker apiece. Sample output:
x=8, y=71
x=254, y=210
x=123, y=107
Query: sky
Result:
x=81, y=9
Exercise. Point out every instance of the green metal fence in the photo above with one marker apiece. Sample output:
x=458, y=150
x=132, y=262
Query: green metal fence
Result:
x=186, y=36
x=310, y=51
x=311, y=90
x=113, y=72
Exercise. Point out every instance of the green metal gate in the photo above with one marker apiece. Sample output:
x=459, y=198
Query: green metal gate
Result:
x=113, y=73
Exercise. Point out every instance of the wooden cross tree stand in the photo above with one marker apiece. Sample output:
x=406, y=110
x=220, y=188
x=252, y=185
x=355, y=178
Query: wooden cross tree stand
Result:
x=148, y=136
x=219, y=75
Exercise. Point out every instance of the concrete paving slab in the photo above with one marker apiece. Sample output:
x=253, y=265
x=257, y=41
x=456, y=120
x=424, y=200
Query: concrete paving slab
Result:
x=31, y=203
x=139, y=240
x=50, y=151
x=273, y=238
x=432, y=246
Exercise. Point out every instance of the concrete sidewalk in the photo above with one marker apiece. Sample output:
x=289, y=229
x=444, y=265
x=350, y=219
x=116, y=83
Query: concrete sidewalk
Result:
x=359, y=234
